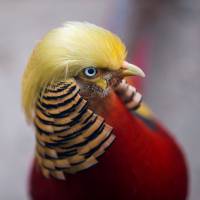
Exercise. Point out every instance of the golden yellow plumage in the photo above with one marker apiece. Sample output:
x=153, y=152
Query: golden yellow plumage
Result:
x=63, y=52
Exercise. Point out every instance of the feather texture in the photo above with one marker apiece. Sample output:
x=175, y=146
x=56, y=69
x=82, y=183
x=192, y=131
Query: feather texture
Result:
x=63, y=52
x=129, y=95
x=70, y=137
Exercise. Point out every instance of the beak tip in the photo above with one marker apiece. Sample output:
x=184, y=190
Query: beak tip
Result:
x=131, y=70
x=140, y=72
x=143, y=75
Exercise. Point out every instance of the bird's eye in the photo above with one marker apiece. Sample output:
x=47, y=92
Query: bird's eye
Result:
x=90, y=71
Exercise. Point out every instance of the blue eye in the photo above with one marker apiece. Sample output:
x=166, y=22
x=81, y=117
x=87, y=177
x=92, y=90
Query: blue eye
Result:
x=90, y=71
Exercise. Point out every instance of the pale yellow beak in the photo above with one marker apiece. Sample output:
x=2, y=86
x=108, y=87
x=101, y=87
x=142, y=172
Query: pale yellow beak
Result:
x=126, y=70
x=129, y=69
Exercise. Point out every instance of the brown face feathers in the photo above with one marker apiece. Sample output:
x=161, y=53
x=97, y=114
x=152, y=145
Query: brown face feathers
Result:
x=89, y=88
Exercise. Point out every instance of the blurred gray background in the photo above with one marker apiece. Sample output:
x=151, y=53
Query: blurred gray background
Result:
x=171, y=87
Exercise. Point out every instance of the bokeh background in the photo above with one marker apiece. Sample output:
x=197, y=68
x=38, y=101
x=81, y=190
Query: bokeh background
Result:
x=162, y=36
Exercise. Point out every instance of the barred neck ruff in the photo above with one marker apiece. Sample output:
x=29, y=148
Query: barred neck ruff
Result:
x=129, y=95
x=69, y=136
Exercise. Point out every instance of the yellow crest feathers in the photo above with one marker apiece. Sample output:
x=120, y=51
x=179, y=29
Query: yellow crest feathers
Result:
x=63, y=52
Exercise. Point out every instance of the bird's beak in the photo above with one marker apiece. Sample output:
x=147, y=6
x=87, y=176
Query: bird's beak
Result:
x=129, y=69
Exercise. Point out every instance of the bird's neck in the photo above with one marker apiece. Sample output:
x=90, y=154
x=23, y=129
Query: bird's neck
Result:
x=70, y=136
x=101, y=105
x=126, y=93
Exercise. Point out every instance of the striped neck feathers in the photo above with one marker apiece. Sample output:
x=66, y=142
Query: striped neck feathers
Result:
x=69, y=136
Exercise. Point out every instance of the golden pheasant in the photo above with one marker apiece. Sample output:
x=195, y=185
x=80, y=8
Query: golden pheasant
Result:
x=91, y=142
